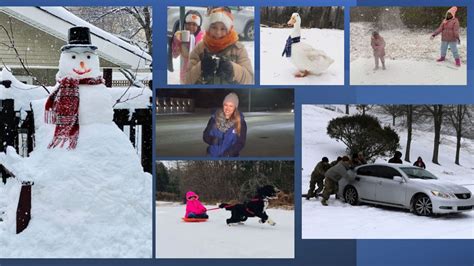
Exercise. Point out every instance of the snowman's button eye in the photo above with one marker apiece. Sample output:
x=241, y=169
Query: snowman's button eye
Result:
x=73, y=57
x=88, y=57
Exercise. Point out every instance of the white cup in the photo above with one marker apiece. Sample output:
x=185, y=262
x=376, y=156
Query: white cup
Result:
x=185, y=35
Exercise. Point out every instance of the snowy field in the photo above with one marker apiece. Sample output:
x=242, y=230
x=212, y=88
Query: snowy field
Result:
x=410, y=58
x=341, y=220
x=173, y=77
x=214, y=239
x=278, y=70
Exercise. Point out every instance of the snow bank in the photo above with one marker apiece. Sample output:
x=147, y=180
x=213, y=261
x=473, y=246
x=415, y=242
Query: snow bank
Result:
x=278, y=70
x=410, y=58
x=21, y=93
x=84, y=201
x=214, y=239
x=341, y=220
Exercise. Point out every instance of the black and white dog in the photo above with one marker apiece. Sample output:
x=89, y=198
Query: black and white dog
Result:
x=252, y=208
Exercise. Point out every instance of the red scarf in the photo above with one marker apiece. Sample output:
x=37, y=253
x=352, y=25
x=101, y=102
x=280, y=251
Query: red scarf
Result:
x=217, y=45
x=62, y=109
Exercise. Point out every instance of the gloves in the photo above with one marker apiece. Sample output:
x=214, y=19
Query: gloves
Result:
x=226, y=70
x=208, y=65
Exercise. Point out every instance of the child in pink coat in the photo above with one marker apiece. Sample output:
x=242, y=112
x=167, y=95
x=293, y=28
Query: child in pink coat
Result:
x=449, y=30
x=378, y=45
x=194, y=208
x=193, y=22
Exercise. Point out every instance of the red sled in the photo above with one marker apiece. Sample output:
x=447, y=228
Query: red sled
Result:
x=194, y=220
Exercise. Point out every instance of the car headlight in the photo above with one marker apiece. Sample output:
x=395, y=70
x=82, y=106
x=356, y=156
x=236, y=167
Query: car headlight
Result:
x=441, y=194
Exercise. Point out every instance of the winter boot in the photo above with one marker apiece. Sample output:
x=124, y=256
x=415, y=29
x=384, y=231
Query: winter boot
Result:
x=458, y=62
x=441, y=59
x=324, y=202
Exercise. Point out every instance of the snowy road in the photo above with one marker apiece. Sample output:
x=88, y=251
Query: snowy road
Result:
x=340, y=220
x=214, y=239
x=181, y=135
x=277, y=70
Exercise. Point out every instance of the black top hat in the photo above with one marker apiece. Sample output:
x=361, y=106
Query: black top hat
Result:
x=79, y=37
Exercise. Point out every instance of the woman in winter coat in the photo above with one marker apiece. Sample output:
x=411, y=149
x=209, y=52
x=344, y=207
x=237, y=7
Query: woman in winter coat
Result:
x=378, y=45
x=419, y=162
x=194, y=208
x=180, y=47
x=449, y=30
x=220, y=58
x=226, y=131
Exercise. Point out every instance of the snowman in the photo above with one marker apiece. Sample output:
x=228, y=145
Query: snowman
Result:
x=91, y=198
x=81, y=97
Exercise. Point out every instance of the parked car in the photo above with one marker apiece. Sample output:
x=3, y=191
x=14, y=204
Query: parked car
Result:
x=243, y=19
x=404, y=186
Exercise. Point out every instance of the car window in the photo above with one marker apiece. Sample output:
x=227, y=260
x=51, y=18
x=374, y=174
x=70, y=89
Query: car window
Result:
x=386, y=172
x=367, y=170
x=417, y=173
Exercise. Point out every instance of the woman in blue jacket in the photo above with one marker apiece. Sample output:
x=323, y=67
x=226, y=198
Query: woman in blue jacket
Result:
x=226, y=130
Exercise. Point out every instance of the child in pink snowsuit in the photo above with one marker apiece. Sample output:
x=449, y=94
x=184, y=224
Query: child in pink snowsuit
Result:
x=194, y=208
x=193, y=21
x=449, y=30
x=378, y=45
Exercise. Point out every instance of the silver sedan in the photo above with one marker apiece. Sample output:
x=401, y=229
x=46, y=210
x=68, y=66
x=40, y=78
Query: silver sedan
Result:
x=404, y=186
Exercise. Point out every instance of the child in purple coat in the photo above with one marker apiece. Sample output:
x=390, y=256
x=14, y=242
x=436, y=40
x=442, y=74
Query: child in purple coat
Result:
x=194, y=208
x=378, y=45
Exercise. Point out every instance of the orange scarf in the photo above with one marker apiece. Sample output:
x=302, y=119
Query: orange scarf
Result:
x=216, y=46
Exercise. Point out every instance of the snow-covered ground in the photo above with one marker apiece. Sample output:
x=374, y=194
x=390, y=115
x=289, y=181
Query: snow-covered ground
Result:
x=341, y=220
x=173, y=77
x=214, y=239
x=278, y=70
x=410, y=58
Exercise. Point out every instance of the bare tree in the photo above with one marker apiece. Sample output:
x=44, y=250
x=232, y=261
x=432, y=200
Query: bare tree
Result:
x=10, y=45
x=437, y=113
x=457, y=114
x=134, y=23
x=393, y=110
x=409, y=114
x=363, y=108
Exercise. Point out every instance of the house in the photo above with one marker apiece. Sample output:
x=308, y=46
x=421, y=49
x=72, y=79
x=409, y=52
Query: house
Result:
x=40, y=32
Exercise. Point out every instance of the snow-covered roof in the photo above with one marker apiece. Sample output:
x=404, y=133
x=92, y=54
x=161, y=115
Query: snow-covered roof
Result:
x=57, y=21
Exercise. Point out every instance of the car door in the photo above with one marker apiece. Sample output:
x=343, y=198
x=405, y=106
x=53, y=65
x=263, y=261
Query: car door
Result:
x=365, y=182
x=388, y=190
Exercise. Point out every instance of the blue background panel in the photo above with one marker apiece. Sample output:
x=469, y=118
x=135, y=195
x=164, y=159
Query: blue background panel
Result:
x=307, y=252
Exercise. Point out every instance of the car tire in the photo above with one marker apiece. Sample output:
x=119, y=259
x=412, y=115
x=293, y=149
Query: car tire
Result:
x=249, y=31
x=422, y=206
x=351, y=196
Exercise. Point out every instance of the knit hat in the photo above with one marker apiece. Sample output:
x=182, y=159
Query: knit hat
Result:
x=194, y=17
x=233, y=98
x=453, y=11
x=220, y=14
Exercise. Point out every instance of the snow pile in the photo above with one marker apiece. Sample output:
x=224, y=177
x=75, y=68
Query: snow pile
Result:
x=84, y=201
x=277, y=70
x=214, y=239
x=21, y=93
x=407, y=52
x=173, y=77
x=341, y=220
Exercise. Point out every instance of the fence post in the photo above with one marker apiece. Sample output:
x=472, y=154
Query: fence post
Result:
x=23, y=212
x=7, y=124
x=144, y=117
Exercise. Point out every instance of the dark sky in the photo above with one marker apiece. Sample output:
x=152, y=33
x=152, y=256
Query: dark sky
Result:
x=212, y=98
